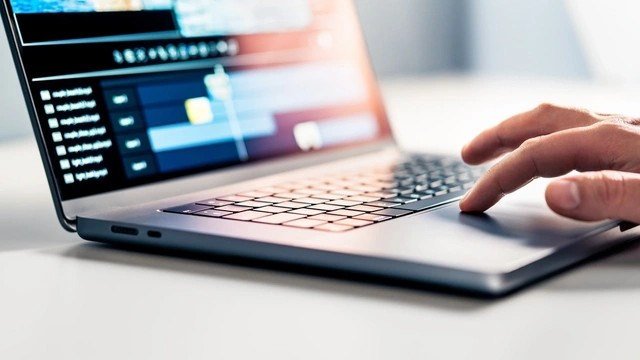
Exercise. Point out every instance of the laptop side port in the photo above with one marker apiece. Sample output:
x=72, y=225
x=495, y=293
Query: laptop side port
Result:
x=124, y=230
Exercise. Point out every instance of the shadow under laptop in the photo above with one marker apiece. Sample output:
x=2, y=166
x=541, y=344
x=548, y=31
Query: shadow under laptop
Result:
x=251, y=271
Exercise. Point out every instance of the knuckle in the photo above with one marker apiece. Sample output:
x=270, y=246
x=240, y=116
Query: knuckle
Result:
x=547, y=107
x=611, y=128
x=609, y=137
x=612, y=189
x=530, y=145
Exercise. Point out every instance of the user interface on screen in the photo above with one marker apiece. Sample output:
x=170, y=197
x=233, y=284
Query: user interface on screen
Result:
x=129, y=92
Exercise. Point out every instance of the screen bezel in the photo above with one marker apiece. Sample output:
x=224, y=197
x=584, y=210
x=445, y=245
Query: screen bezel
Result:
x=68, y=210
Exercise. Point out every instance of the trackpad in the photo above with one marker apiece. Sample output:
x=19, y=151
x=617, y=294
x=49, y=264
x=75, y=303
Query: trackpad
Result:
x=517, y=231
x=525, y=214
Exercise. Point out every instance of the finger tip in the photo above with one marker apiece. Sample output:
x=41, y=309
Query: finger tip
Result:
x=465, y=205
x=472, y=155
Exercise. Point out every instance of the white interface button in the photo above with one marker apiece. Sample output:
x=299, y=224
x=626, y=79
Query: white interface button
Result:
x=49, y=109
x=57, y=136
x=45, y=95
x=129, y=56
x=61, y=150
x=53, y=123
x=64, y=164
x=118, y=57
x=308, y=136
x=68, y=178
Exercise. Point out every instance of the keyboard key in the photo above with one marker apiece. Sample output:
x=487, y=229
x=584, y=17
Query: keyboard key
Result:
x=343, y=183
x=468, y=185
x=274, y=209
x=383, y=194
x=406, y=182
x=362, y=199
x=235, y=198
x=310, y=201
x=233, y=208
x=307, y=211
x=419, y=188
x=254, y=194
x=372, y=217
x=292, y=205
x=328, y=196
x=429, y=203
x=304, y=223
x=253, y=204
x=290, y=195
x=333, y=227
x=310, y=191
x=353, y=222
x=346, y=192
x=365, y=188
x=476, y=173
x=246, y=216
x=405, y=190
x=213, y=213
x=272, y=190
x=392, y=212
x=293, y=186
x=400, y=200
x=382, y=204
x=325, y=207
x=187, y=209
x=214, y=202
x=272, y=199
x=348, y=213
x=364, y=208
x=279, y=218
x=326, y=187
x=310, y=182
x=327, y=218
x=344, y=203
x=388, y=184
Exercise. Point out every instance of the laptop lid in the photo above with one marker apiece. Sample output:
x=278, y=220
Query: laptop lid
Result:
x=128, y=94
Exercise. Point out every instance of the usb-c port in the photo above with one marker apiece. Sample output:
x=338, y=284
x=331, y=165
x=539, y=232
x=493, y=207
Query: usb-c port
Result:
x=154, y=234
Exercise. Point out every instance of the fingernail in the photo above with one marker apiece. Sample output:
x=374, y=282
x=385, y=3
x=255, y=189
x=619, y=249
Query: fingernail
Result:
x=567, y=194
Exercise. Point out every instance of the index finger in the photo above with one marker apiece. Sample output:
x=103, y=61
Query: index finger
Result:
x=545, y=156
x=511, y=133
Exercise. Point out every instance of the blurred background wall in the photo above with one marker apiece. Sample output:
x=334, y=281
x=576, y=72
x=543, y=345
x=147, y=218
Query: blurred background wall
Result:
x=422, y=37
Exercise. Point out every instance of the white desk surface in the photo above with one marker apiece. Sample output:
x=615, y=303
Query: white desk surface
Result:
x=63, y=298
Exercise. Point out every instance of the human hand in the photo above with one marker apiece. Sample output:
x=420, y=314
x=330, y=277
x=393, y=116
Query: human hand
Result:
x=551, y=141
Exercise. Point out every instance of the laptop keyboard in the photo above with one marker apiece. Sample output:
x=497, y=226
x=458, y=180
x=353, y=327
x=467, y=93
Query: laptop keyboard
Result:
x=342, y=202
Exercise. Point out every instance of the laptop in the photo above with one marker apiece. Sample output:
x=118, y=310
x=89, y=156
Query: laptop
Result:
x=254, y=131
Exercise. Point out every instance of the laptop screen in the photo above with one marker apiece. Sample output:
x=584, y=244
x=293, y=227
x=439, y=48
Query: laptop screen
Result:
x=130, y=92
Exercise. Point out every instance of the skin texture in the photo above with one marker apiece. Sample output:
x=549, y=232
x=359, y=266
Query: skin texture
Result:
x=551, y=141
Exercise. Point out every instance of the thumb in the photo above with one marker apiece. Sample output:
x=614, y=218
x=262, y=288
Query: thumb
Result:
x=596, y=195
